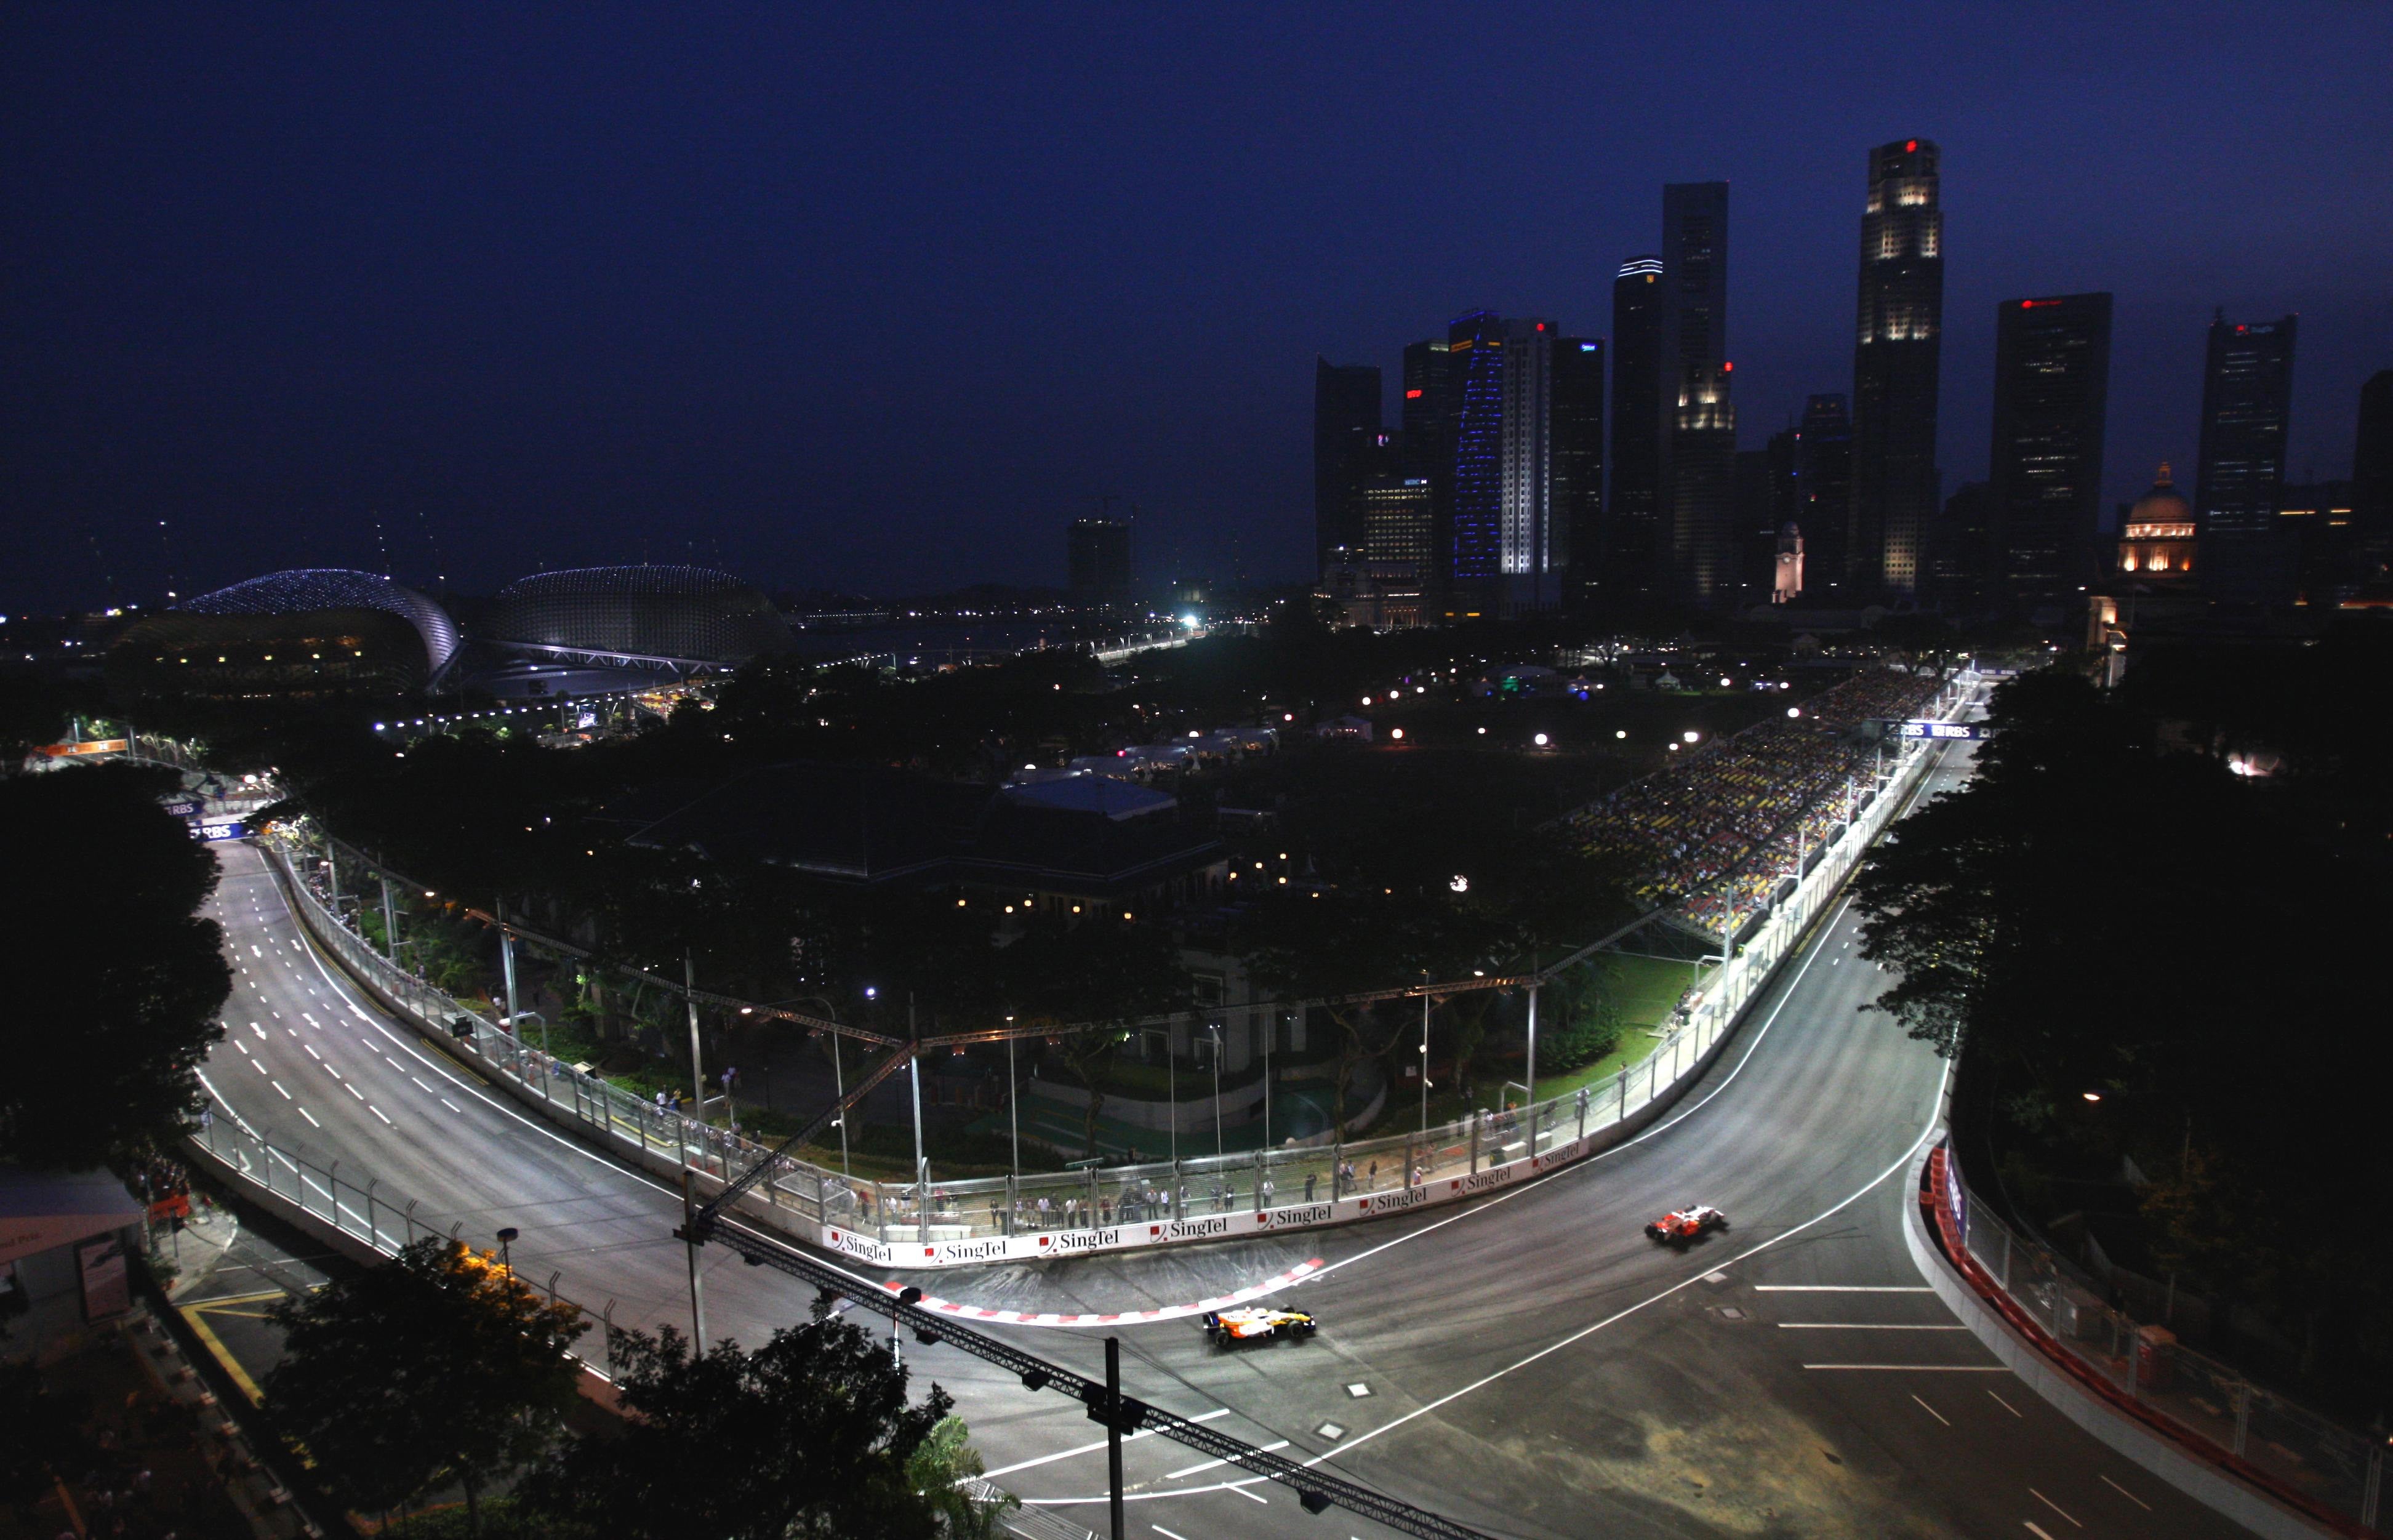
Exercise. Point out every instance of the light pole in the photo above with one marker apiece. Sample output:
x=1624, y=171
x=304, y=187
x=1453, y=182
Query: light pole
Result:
x=922, y=1165
x=1215, y=1028
x=1424, y=1057
x=1013, y=1106
x=506, y=1258
x=689, y=999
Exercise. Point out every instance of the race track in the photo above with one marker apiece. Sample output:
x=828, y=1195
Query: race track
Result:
x=1529, y=1364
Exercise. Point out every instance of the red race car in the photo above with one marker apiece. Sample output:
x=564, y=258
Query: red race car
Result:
x=1684, y=1226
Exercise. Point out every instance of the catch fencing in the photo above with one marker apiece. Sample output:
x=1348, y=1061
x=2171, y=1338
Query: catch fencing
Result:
x=2205, y=1401
x=932, y=1223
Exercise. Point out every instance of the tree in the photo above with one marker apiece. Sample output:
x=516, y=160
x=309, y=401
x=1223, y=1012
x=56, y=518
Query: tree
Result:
x=437, y=1366
x=1319, y=945
x=939, y=1466
x=808, y=1438
x=114, y=1003
x=1094, y=975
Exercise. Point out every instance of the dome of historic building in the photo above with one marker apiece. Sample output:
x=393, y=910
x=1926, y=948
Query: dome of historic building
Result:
x=2163, y=504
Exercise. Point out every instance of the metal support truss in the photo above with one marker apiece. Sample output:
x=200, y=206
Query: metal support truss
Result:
x=1315, y=1488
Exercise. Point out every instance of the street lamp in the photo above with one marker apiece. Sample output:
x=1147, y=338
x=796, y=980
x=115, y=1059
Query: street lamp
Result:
x=1215, y=1028
x=507, y=1239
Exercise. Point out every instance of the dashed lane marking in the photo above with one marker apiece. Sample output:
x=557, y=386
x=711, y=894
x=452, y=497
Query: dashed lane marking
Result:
x=1931, y=1411
x=2055, y=1507
x=2006, y=1406
x=1857, y=1325
x=278, y=1086
x=2124, y=1492
x=1842, y=1288
x=1923, y=1368
x=310, y=1117
x=377, y=1111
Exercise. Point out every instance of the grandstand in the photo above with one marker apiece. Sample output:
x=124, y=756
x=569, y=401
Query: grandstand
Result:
x=1713, y=835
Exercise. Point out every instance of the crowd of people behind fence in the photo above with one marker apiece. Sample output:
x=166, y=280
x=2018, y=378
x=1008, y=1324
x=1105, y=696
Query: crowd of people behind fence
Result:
x=1719, y=829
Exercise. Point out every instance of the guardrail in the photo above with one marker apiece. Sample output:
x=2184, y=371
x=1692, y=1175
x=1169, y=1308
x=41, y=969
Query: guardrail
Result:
x=955, y=1223
x=2279, y=1444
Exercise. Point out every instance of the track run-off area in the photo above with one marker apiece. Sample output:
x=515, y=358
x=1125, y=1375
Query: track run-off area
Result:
x=1528, y=1365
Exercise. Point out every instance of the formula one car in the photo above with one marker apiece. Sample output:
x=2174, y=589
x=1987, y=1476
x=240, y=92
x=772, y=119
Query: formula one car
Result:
x=1681, y=1226
x=1228, y=1327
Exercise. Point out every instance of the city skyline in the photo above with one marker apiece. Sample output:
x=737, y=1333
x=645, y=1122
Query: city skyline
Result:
x=527, y=333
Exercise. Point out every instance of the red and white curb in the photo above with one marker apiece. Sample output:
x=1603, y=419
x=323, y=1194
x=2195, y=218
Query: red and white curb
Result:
x=1294, y=1276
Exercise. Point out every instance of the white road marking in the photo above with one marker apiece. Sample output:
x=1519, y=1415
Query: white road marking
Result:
x=2006, y=1405
x=239, y=1044
x=261, y=1069
x=328, y=1068
x=353, y=1090
x=1165, y=1532
x=2036, y=1529
x=1923, y=1368
x=1216, y=1465
x=1089, y=1448
x=424, y=1086
x=450, y=1105
x=278, y=1086
x=1251, y=1496
x=254, y=952
x=1931, y=1411
x=1857, y=1325
x=2124, y=1492
x=310, y=1117
x=259, y=1030
x=313, y=1053
x=2051, y=1504
x=1842, y=1288
x=377, y=1111
x=1925, y=1134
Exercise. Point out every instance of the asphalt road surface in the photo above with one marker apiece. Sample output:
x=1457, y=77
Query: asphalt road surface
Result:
x=1530, y=1364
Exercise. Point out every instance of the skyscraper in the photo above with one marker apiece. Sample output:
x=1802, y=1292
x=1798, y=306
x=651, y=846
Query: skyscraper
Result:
x=1345, y=427
x=1824, y=491
x=2052, y=377
x=1475, y=347
x=1099, y=558
x=2371, y=472
x=2247, y=395
x=1433, y=420
x=1699, y=421
x=1578, y=458
x=1633, y=511
x=1531, y=573
x=1900, y=323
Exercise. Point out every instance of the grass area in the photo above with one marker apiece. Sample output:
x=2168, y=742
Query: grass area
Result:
x=1649, y=990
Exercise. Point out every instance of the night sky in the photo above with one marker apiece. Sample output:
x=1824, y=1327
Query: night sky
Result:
x=876, y=298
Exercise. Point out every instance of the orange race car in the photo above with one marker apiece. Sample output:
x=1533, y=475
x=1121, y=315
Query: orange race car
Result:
x=1251, y=1322
x=1682, y=1226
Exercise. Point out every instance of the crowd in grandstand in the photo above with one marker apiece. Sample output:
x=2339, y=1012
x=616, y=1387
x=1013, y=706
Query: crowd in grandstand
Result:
x=1717, y=831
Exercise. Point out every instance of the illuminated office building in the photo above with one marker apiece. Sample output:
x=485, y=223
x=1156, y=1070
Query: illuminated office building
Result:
x=2052, y=375
x=1631, y=548
x=2247, y=397
x=1899, y=333
x=1698, y=436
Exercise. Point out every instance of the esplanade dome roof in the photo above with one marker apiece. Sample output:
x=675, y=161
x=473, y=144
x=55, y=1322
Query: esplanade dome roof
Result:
x=684, y=614
x=307, y=590
x=2163, y=504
